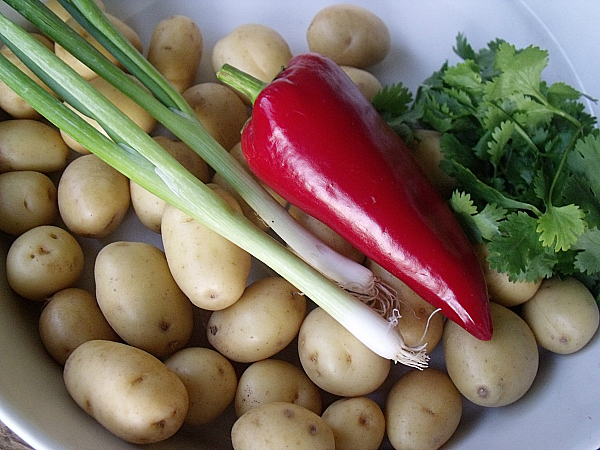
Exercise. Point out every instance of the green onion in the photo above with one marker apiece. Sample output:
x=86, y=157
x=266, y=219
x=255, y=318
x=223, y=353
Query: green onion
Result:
x=134, y=153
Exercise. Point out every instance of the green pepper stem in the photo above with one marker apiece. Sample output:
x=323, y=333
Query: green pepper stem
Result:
x=241, y=81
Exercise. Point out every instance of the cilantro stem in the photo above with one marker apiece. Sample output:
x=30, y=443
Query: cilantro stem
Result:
x=563, y=161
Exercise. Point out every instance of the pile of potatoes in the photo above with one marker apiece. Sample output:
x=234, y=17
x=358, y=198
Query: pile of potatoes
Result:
x=183, y=331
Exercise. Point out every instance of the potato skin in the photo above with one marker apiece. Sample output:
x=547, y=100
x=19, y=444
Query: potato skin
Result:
x=128, y=391
x=278, y=425
x=42, y=261
x=423, y=410
x=335, y=360
x=70, y=318
x=261, y=323
x=139, y=298
x=562, y=314
x=495, y=372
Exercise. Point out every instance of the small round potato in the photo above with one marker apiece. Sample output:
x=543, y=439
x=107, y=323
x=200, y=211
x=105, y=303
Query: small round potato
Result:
x=255, y=49
x=176, y=50
x=93, y=198
x=356, y=422
x=127, y=390
x=10, y=101
x=211, y=270
x=495, y=372
x=350, y=35
x=418, y=323
x=423, y=410
x=261, y=323
x=278, y=425
x=220, y=110
x=31, y=145
x=127, y=106
x=139, y=298
x=27, y=200
x=335, y=360
x=562, y=314
x=42, y=261
x=368, y=83
x=148, y=207
x=210, y=380
x=275, y=380
x=70, y=318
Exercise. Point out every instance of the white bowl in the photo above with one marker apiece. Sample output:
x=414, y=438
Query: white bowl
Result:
x=561, y=411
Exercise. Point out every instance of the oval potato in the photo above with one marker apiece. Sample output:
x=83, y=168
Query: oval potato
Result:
x=366, y=82
x=278, y=425
x=128, y=391
x=138, y=296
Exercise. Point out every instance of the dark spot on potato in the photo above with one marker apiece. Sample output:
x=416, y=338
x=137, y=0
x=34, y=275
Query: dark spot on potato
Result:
x=363, y=421
x=164, y=325
x=483, y=392
x=160, y=424
x=213, y=330
x=88, y=407
x=288, y=413
x=313, y=429
x=138, y=380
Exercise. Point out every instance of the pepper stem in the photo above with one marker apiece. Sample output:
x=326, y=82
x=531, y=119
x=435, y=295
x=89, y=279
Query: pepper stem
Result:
x=241, y=81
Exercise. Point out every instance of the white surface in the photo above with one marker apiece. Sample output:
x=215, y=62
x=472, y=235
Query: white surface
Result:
x=562, y=410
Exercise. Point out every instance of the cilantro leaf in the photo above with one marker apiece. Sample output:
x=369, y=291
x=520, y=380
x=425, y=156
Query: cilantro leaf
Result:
x=394, y=99
x=588, y=259
x=585, y=160
x=560, y=227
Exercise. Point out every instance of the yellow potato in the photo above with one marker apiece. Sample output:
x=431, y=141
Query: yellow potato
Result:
x=279, y=425
x=356, y=422
x=417, y=322
x=140, y=299
x=335, y=360
x=12, y=103
x=350, y=35
x=495, y=372
x=211, y=270
x=148, y=207
x=562, y=314
x=275, y=380
x=253, y=48
x=93, y=198
x=128, y=391
x=31, y=145
x=261, y=323
x=220, y=110
x=70, y=318
x=423, y=410
x=131, y=109
x=210, y=380
x=176, y=50
x=368, y=83
x=42, y=261
x=27, y=200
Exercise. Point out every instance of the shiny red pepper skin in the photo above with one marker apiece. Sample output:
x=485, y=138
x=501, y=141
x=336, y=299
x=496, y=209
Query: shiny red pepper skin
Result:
x=316, y=140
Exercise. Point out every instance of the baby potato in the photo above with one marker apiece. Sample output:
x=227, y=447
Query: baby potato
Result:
x=210, y=380
x=356, y=422
x=140, y=299
x=70, y=318
x=261, y=323
x=368, y=83
x=335, y=360
x=127, y=106
x=93, y=197
x=327, y=235
x=417, y=322
x=27, y=200
x=562, y=314
x=31, y=145
x=42, y=261
x=275, y=380
x=220, y=110
x=423, y=410
x=127, y=390
x=278, y=425
x=10, y=101
x=148, y=207
x=176, y=50
x=211, y=270
x=495, y=372
x=500, y=288
x=253, y=48
x=350, y=35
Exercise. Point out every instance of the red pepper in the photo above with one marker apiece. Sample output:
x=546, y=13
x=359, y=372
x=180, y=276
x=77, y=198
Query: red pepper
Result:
x=318, y=142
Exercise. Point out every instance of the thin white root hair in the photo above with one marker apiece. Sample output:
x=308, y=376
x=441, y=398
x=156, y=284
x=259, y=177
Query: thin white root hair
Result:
x=428, y=321
x=379, y=296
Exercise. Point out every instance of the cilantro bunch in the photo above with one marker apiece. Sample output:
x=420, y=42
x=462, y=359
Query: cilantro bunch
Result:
x=525, y=154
